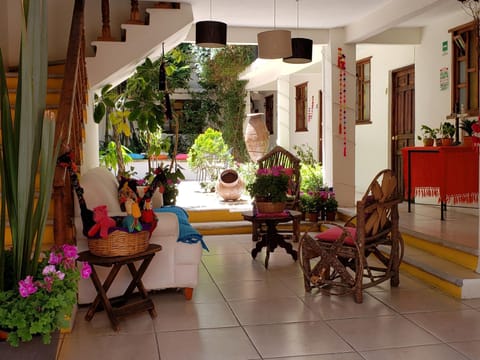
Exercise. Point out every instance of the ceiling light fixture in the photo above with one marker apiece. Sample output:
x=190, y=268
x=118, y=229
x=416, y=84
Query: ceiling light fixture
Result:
x=301, y=48
x=211, y=34
x=274, y=44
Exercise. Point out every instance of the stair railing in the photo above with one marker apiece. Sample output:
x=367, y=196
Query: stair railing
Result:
x=70, y=123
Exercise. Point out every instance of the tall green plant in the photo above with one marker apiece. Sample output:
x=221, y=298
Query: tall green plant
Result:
x=27, y=147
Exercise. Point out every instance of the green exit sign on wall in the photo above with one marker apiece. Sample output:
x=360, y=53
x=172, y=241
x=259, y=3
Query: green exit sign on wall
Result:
x=444, y=47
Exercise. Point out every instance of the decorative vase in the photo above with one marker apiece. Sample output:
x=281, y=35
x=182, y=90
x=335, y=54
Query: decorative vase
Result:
x=229, y=186
x=256, y=136
x=270, y=207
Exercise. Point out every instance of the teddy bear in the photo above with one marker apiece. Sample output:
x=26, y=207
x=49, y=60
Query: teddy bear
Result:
x=102, y=222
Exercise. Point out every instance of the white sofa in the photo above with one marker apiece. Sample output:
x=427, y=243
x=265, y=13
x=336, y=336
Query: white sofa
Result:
x=175, y=266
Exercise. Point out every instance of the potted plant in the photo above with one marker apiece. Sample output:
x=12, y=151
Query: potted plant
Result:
x=270, y=188
x=33, y=294
x=447, y=130
x=331, y=206
x=467, y=126
x=428, y=135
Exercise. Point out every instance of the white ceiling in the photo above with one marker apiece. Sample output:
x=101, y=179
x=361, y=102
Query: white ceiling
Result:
x=319, y=14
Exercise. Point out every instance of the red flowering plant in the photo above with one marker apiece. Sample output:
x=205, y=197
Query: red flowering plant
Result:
x=271, y=184
x=43, y=303
x=476, y=132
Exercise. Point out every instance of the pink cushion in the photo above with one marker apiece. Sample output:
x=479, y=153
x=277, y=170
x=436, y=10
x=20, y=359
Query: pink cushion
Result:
x=335, y=232
x=181, y=156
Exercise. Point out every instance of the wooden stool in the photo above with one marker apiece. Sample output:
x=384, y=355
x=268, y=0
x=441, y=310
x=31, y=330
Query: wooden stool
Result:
x=116, y=262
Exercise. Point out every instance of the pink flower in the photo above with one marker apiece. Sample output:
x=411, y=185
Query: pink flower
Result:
x=55, y=258
x=70, y=251
x=86, y=270
x=27, y=287
x=47, y=283
x=288, y=171
x=49, y=269
x=60, y=275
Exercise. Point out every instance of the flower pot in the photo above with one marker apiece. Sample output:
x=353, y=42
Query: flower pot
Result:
x=34, y=349
x=330, y=215
x=428, y=142
x=447, y=141
x=467, y=141
x=270, y=207
x=229, y=186
x=311, y=216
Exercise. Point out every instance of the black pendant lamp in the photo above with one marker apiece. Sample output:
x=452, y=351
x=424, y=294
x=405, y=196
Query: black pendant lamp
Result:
x=211, y=34
x=301, y=49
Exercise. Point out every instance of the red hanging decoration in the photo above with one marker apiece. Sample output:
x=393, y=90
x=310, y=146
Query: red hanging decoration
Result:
x=342, y=98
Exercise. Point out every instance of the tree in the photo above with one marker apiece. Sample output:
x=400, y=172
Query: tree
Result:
x=219, y=78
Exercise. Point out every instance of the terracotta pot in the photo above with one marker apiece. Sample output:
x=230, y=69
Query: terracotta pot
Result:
x=467, y=141
x=256, y=136
x=447, y=141
x=270, y=207
x=427, y=142
x=229, y=186
x=330, y=215
x=311, y=216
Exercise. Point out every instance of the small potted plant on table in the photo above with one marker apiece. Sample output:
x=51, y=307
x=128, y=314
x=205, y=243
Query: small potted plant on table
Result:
x=447, y=130
x=428, y=135
x=467, y=126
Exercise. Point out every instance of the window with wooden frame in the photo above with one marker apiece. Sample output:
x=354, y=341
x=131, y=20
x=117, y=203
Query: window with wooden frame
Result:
x=363, y=91
x=301, y=107
x=465, y=69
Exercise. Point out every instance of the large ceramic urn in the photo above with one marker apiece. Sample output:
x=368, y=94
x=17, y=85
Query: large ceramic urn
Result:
x=230, y=186
x=256, y=136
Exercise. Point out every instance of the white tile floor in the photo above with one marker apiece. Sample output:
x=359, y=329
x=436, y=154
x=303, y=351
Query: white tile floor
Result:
x=240, y=310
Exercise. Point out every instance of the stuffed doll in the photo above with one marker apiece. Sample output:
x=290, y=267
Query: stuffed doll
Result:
x=102, y=222
x=132, y=220
x=127, y=189
x=147, y=214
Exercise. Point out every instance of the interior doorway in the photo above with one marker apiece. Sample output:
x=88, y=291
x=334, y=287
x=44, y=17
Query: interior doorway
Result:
x=403, y=116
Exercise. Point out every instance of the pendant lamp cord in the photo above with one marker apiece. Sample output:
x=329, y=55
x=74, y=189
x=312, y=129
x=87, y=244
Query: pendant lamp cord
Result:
x=274, y=13
x=298, y=16
x=211, y=9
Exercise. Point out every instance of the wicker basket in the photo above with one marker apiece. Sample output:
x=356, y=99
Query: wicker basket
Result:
x=270, y=207
x=120, y=243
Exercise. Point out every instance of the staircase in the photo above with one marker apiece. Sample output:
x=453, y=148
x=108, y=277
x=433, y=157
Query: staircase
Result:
x=114, y=61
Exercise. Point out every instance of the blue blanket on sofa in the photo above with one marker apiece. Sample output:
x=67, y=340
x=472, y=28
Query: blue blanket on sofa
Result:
x=187, y=233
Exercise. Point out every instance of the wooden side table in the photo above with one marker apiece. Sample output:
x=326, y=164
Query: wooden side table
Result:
x=116, y=262
x=271, y=239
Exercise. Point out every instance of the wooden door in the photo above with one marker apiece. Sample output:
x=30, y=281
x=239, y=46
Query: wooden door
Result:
x=269, y=113
x=403, y=116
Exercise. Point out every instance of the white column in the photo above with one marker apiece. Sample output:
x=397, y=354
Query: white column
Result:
x=283, y=112
x=339, y=169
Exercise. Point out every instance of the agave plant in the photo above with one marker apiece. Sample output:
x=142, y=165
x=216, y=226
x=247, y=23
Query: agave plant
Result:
x=27, y=148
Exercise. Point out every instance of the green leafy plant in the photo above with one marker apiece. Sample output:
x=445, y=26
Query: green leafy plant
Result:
x=43, y=302
x=209, y=153
x=467, y=126
x=310, y=169
x=427, y=133
x=331, y=204
x=447, y=130
x=109, y=157
x=271, y=184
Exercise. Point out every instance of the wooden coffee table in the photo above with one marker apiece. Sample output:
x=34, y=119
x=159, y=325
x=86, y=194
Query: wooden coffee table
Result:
x=116, y=262
x=271, y=239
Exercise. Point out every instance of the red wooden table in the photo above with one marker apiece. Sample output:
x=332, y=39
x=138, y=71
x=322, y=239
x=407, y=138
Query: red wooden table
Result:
x=449, y=173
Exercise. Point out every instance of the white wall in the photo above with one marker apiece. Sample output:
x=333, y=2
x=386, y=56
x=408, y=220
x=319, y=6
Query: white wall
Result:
x=373, y=140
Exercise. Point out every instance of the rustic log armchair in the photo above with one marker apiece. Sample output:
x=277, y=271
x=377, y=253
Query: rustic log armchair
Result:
x=364, y=252
x=279, y=156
